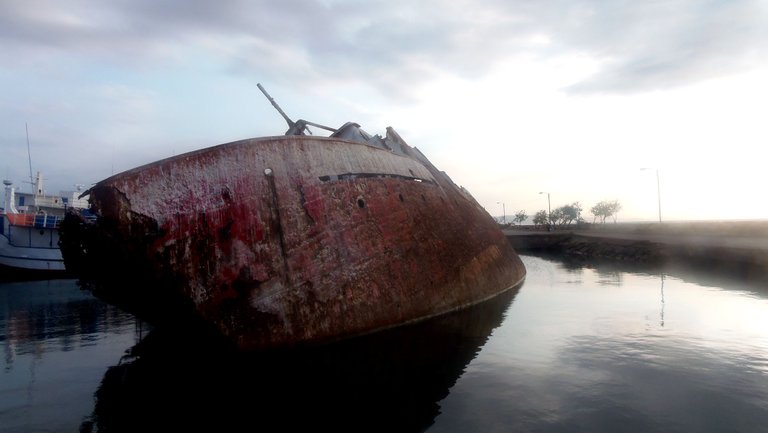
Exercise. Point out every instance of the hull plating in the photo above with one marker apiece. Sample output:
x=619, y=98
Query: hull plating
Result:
x=290, y=240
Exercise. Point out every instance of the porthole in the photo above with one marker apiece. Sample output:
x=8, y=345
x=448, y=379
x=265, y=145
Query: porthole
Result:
x=360, y=202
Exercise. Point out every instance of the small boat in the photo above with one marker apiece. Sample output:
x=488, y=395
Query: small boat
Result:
x=290, y=240
x=29, y=230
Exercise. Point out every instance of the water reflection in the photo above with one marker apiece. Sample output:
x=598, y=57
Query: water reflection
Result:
x=736, y=277
x=388, y=381
x=591, y=347
x=655, y=352
x=662, y=299
x=662, y=384
x=52, y=315
x=55, y=338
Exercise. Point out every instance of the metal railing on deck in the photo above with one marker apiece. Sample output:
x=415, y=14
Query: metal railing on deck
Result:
x=34, y=220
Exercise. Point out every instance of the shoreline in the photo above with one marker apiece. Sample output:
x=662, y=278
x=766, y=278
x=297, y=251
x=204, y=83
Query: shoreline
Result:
x=733, y=247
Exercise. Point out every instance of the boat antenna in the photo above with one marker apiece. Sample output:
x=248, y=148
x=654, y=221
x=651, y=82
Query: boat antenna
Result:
x=29, y=154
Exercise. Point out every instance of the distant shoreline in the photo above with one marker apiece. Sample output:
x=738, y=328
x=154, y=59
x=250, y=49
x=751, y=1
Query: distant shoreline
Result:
x=746, y=227
x=731, y=246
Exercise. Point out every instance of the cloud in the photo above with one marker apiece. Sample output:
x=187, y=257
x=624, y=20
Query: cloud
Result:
x=395, y=45
x=659, y=45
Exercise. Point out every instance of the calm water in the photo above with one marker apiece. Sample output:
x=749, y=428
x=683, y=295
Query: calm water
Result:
x=57, y=342
x=575, y=349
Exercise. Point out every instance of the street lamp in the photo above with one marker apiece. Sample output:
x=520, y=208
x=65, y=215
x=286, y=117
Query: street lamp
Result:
x=549, y=207
x=658, y=187
x=504, y=210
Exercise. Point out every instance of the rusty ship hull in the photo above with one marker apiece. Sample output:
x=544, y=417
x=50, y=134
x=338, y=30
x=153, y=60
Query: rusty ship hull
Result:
x=289, y=240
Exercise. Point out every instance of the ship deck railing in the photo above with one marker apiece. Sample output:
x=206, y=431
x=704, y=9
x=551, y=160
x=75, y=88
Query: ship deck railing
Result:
x=41, y=221
x=34, y=220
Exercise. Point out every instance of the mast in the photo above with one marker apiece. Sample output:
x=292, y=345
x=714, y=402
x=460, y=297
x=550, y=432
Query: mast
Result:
x=29, y=154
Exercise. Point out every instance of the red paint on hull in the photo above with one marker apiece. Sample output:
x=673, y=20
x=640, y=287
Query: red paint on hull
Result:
x=290, y=240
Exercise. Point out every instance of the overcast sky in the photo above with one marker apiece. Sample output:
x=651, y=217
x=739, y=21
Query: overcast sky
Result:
x=510, y=98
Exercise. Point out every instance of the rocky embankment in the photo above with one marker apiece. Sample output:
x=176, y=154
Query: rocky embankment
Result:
x=739, y=246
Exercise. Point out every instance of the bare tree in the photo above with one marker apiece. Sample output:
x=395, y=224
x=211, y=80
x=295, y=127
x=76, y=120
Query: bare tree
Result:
x=606, y=209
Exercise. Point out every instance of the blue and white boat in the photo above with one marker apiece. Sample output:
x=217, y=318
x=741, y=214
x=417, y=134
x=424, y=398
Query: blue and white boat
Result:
x=29, y=230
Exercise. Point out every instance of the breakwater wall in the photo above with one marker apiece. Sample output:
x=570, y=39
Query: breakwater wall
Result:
x=742, y=255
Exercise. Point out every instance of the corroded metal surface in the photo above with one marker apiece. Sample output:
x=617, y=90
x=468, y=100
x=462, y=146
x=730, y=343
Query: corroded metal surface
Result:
x=290, y=240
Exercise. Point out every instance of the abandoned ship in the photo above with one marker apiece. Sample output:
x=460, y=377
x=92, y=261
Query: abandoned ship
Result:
x=290, y=240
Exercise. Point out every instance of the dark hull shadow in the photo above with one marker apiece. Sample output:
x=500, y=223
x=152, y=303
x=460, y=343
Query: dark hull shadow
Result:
x=387, y=381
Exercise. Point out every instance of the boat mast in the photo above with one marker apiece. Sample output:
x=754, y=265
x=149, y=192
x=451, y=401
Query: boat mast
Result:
x=29, y=154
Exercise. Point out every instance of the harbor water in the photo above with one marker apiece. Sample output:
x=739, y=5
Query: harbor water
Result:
x=584, y=347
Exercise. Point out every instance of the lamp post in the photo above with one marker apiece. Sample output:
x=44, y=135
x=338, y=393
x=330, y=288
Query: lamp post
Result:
x=549, y=207
x=658, y=188
x=503, y=210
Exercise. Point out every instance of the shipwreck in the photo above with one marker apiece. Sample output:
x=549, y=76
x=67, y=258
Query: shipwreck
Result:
x=290, y=240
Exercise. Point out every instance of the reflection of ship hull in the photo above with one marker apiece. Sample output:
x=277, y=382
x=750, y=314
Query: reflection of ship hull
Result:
x=390, y=381
x=286, y=240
